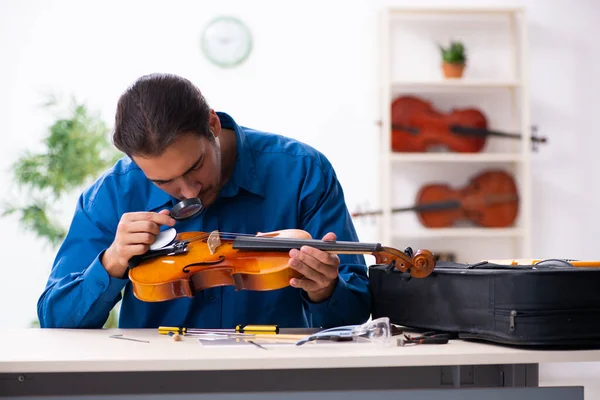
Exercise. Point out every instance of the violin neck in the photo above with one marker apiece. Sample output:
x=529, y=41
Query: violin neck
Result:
x=250, y=243
x=467, y=130
x=490, y=200
x=439, y=205
x=433, y=206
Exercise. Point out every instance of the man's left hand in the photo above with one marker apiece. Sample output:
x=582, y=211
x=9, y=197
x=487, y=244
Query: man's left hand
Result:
x=320, y=270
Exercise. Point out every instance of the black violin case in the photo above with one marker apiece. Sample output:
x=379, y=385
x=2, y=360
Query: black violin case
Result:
x=549, y=304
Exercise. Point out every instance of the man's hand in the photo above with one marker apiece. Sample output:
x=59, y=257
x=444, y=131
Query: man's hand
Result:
x=135, y=233
x=320, y=271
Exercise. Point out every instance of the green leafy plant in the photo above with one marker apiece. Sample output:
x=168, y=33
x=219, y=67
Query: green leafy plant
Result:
x=454, y=54
x=76, y=151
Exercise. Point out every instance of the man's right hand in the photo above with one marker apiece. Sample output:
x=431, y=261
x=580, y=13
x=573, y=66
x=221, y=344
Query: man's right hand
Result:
x=135, y=233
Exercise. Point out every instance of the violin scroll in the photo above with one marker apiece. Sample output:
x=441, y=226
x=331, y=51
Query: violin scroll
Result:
x=419, y=265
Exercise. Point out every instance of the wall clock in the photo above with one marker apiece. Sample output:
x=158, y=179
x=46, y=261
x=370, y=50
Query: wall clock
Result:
x=226, y=41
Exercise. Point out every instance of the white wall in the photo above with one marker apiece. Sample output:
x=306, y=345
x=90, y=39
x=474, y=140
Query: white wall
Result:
x=312, y=75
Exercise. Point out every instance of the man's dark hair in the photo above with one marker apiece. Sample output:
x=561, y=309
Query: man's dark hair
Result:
x=155, y=110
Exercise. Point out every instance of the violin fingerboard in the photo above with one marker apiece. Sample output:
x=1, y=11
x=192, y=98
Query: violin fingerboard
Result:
x=284, y=244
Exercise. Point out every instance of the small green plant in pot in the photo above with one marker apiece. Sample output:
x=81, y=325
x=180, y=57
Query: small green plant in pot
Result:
x=454, y=59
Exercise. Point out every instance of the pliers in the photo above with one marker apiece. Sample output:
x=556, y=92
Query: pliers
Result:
x=426, y=338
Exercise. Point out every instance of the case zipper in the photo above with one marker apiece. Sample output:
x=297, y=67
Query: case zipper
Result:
x=512, y=314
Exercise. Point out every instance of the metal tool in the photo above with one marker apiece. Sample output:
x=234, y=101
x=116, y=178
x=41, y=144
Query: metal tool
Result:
x=120, y=336
x=257, y=344
x=425, y=338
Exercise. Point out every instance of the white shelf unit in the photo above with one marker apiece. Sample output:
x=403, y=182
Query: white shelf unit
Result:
x=462, y=83
x=461, y=233
x=452, y=158
x=495, y=81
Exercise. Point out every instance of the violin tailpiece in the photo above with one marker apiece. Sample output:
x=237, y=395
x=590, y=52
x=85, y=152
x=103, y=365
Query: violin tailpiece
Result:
x=175, y=248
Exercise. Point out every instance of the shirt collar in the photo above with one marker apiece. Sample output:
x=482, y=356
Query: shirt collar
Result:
x=244, y=175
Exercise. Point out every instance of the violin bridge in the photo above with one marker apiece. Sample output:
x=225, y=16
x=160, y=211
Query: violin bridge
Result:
x=213, y=241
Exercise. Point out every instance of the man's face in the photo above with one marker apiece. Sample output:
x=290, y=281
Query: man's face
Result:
x=190, y=167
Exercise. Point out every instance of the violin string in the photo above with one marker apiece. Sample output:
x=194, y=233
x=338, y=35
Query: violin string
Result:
x=293, y=242
x=221, y=235
x=225, y=235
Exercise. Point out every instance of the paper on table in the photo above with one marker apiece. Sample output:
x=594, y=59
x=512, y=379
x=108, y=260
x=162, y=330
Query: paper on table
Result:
x=223, y=340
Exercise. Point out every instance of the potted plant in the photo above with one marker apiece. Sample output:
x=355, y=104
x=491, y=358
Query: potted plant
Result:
x=75, y=151
x=454, y=59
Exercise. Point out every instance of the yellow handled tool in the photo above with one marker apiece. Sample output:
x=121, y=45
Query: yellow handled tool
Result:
x=248, y=329
x=262, y=329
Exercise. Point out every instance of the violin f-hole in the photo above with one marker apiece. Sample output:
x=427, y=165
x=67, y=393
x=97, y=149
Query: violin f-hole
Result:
x=202, y=263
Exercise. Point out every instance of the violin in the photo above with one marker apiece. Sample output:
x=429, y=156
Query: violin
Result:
x=489, y=199
x=195, y=261
x=417, y=126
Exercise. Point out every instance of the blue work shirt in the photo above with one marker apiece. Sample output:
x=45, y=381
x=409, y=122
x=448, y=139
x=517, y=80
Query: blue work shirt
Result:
x=278, y=183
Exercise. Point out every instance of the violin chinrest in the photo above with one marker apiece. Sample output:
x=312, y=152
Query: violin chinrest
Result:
x=164, y=238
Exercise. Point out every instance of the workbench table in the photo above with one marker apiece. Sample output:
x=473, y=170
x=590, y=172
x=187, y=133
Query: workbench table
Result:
x=82, y=363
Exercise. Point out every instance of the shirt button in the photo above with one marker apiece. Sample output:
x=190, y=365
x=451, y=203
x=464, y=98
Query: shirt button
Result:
x=101, y=284
x=212, y=299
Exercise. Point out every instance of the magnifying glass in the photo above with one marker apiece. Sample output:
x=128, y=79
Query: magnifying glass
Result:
x=183, y=210
x=187, y=208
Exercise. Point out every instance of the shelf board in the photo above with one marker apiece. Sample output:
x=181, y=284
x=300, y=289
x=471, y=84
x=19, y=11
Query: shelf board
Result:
x=456, y=157
x=454, y=10
x=460, y=233
x=457, y=83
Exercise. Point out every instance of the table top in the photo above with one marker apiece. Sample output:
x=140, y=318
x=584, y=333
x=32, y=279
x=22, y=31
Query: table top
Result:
x=65, y=350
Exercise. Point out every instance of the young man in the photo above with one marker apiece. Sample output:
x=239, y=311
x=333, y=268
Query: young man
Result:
x=249, y=181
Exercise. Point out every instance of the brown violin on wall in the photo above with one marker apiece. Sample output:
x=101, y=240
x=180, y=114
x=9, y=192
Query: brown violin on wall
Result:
x=490, y=199
x=195, y=261
x=417, y=126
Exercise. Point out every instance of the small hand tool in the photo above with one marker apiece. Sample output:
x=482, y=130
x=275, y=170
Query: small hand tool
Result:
x=120, y=336
x=425, y=338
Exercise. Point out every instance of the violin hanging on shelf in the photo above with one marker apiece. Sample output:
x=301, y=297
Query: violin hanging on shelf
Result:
x=490, y=199
x=417, y=126
x=195, y=261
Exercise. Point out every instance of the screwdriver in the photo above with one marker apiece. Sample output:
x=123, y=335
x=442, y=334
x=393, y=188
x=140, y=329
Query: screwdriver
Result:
x=239, y=329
